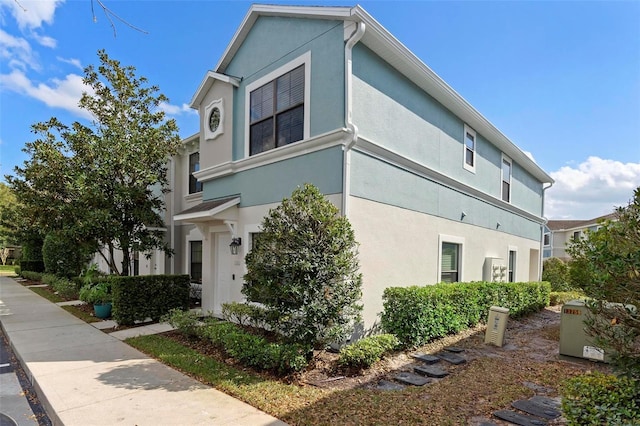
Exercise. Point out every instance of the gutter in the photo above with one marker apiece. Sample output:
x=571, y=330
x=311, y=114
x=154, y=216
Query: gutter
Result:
x=542, y=225
x=355, y=37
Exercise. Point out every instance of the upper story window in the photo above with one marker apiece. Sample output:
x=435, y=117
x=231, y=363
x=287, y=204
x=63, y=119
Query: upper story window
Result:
x=577, y=235
x=506, y=179
x=277, y=112
x=469, y=149
x=547, y=239
x=277, y=107
x=194, y=166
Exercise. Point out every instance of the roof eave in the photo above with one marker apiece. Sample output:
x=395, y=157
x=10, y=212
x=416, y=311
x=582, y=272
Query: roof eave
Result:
x=209, y=78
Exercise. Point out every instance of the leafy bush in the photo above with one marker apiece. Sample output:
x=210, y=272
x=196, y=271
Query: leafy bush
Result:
x=556, y=272
x=62, y=256
x=244, y=314
x=17, y=270
x=32, y=265
x=184, y=321
x=365, y=352
x=256, y=351
x=562, y=297
x=64, y=287
x=417, y=315
x=304, y=270
x=599, y=399
x=96, y=294
x=148, y=296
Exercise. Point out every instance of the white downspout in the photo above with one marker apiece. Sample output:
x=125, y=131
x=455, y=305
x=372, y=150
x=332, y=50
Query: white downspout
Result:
x=348, y=104
x=540, y=262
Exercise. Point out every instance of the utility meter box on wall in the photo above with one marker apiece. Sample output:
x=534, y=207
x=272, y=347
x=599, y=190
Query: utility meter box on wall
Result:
x=496, y=325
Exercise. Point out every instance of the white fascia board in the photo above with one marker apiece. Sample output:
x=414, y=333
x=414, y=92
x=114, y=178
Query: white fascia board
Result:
x=400, y=57
x=208, y=80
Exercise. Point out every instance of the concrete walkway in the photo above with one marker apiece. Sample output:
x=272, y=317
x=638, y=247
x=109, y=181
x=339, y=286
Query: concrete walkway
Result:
x=84, y=376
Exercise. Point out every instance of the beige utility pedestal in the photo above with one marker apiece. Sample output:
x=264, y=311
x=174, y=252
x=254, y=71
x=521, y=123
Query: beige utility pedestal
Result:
x=496, y=325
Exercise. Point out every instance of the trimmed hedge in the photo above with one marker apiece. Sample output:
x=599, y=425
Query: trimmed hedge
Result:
x=600, y=399
x=31, y=275
x=367, y=351
x=148, y=296
x=256, y=351
x=417, y=315
x=32, y=265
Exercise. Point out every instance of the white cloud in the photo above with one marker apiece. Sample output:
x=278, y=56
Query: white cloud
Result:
x=17, y=51
x=45, y=41
x=75, y=62
x=32, y=13
x=175, y=109
x=63, y=94
x=591, y=189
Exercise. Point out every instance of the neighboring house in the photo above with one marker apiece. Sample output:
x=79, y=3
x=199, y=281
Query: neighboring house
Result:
x=328, y=96
x=560, y=233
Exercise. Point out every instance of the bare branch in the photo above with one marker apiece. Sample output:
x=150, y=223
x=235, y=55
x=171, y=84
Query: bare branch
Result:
x=109, y=13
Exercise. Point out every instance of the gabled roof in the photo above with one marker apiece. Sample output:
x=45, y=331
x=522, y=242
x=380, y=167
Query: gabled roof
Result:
x=207, y=210
x=383, y=43
x=209, y=78
x=564, y=225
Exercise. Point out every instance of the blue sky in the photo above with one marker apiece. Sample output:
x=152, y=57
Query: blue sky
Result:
x=560, y=79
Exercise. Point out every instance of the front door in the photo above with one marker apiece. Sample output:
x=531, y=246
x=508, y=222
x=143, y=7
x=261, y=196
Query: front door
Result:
x=222, y=273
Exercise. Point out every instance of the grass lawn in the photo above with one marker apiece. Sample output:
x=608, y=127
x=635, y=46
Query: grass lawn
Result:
x=479, y=388
x=7, y=269
x=47, y=294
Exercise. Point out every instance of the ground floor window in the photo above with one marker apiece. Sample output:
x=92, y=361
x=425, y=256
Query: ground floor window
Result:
x=450, y=263
x=195, y=269
x=512, y=265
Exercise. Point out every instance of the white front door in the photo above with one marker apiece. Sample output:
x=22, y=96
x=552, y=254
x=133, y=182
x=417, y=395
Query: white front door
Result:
x=223, y=292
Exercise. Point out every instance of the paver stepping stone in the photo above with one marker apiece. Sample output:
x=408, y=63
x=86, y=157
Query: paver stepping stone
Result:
x=546, y=401
x=536, y=409
x=451, y=357
x=389, y=386
x=454, y=349
x=519, y=419
x=426, y=358
x=412, y=379
x=431, y=371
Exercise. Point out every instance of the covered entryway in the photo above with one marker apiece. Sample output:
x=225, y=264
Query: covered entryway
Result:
x=217, y=222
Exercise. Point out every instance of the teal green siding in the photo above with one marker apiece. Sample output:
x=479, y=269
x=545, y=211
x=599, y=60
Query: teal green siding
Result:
x=376, y=180
x=275, y=41
x=273, y=182
x=392, y=111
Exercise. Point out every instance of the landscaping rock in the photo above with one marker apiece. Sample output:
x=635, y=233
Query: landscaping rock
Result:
x=431, y=371
x=519, y=419
x=454, y=349
x=412, y=379
x=536, y=409
x=451, y=357
x=554, y=403
x=426, y=358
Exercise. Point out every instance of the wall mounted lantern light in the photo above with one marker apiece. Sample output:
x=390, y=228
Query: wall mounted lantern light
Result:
x=235, y=243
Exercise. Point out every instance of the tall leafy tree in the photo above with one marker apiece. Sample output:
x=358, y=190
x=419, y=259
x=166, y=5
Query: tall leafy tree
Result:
x=304, y=270
x=102, y=184
x=607, y=266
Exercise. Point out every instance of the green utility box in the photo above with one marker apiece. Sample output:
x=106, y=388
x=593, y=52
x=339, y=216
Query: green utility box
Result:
x=574, y=340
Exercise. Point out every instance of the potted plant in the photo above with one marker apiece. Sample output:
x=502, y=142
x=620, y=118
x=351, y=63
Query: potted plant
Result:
x=97, y=294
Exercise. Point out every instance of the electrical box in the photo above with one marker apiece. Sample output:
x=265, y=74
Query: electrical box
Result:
x=496, y=325
x=574, y=340
x=494, y=270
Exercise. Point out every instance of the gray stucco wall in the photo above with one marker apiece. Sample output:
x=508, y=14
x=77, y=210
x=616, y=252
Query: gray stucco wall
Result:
x=275, y=41
x=392, y=111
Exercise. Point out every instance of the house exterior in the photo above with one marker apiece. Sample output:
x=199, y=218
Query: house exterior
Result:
x=560, y=233
x=326, y=95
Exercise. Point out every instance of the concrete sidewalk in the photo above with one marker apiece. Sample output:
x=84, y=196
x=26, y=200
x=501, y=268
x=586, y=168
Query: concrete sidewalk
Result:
x=86, y=377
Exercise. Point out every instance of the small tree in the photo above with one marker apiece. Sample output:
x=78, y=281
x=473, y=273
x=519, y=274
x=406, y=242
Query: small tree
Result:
x=556, y=272
x=304, y=270
x=62, y=256
x=609, y=264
